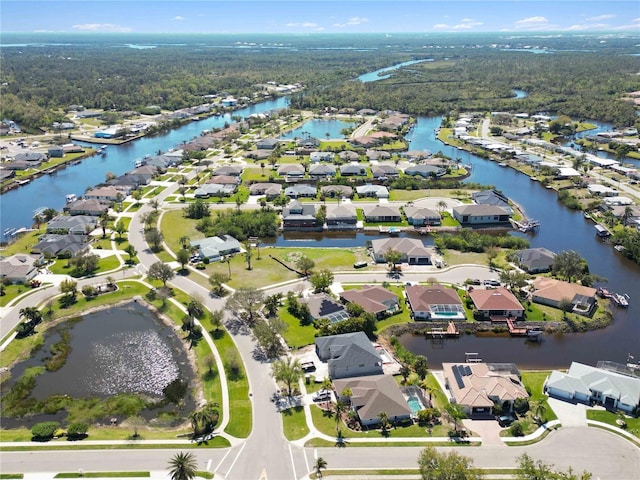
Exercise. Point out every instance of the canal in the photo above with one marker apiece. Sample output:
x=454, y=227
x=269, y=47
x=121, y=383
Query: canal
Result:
x=561, y=229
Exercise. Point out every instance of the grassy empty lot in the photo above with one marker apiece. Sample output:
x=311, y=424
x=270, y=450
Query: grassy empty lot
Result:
x=633, y=424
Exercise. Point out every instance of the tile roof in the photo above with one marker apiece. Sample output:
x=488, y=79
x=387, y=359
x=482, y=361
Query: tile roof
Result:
x=495, y=299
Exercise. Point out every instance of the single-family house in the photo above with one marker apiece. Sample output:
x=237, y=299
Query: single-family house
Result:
x=353, y=169
x=230, y=170
x=323, y=305
x=104, y=194
x=298, y=216
x=377, y=155
x=348, y=156
x=6, y=174
x=492, y=197
x=301, y=190
x=341, y=217
x=19, y=268
x=383, y=171
x=535, y=260
x=553, y=292
x=366, y=141
x=145, y=173
x=434, y=302
x=368, y=190
x=215, y=248
x=322, y=171
x=125, y=183
x=587, y=384
x=480, y=214
x=420, y=216
x=308, y=142
x=34, y=158
x=425, y=170
x=373, y=394
x=337, y=191
x=61, y=245
x=496, y=304
x=215, y=190
x=224, y=180
x=76, y=224
x=269, y=190
x=267, y=143
x=90, y=206
x=315, y=157
x=601, y=190
x=382, y=213
x=373, y=299
x=412, y=250
x=291, y=171
x=55, y=151
x=477, y=387
x=349, y=355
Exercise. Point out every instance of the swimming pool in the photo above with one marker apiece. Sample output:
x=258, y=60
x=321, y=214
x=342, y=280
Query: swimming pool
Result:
x=414, y=404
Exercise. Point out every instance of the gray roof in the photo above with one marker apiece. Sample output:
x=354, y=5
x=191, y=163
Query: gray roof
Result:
x=379, y=191
x=341, y=211
x=585, y=379
x=81, y=224
x=322, y=305
x=300, y=189
x=479, y=210
x=424, y=170
x=492, y=197
x=213, y=247
x=420, y=212
x=374, y=394
x=347, y=347
x=322, y=169
x=535, y=258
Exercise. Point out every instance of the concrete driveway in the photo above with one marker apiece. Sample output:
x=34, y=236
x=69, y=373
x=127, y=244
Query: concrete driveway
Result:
x=569, y=414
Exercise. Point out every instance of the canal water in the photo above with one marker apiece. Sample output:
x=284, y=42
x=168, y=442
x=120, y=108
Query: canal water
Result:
x=320, y=128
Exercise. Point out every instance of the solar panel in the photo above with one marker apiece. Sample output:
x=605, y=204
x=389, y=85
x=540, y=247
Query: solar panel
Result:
x=457, y=376
x=467, y=370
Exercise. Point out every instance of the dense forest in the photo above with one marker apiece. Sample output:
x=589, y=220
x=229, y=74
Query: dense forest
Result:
x=581, y=76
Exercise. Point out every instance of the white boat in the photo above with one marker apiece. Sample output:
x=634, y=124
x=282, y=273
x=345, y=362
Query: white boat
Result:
x=71, y=197
x=621, y=300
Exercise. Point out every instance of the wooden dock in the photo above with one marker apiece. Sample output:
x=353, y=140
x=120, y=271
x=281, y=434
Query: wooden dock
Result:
x=439, y=332
x=513, y=330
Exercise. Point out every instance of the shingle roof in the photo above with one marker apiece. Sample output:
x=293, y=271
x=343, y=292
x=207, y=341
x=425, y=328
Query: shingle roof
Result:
x=374, y=394
x=422, y=297
x=496, y=299
x=371, y=298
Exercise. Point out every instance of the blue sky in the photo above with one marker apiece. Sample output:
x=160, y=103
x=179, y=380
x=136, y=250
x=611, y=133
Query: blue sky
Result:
x=311, y=16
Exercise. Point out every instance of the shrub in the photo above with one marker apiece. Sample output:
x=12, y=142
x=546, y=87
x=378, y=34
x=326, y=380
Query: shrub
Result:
x=44, y=430
x=521, y=405
x=89, y=291
x=77, y=430
x=516, y=429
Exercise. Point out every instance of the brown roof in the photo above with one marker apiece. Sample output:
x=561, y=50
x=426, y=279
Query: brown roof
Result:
x=374, y=394
x=557, y=289
x=421, y=297
x=495, y=299
x=370, y=297
x=223, y=180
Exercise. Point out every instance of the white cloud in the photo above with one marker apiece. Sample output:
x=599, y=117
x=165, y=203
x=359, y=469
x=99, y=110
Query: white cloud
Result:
x=599, y=18
x=441, y=26
x=310, y=25
x=179, y=18
x=465, y=24
x=532, y=21
x=535, y=23
x=101, y=27
x=352, y=21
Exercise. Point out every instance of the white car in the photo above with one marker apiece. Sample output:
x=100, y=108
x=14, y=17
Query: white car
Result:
x=321, y=396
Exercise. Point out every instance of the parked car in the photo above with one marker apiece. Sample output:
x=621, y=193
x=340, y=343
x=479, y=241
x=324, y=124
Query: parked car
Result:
x=506, y=420
x=321, y=396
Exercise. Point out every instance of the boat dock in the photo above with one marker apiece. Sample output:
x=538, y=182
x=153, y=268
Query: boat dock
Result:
x=527, y=226
x=515, y=331
x=439, y=332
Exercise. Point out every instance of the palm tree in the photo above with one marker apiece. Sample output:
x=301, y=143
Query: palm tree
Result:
x=319, y=465
x=456, y=413
x=184, y=241
x=327, y=386
x=288, y=371
x=32, y=314
x=442, y=205
x=183, y=466
x=338, y=409
x=384, y=421
x=405, y=371
x=539, y=411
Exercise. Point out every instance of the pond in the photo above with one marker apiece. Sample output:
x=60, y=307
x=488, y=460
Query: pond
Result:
x=125, y=349
x=319, y=128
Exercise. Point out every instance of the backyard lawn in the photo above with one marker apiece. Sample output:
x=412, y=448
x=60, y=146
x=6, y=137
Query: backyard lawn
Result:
x=633, y=424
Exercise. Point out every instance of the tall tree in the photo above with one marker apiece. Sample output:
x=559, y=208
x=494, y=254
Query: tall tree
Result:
x=456, y=413
x=183, y=258
x=569, y=264
x=161, y=271
x=321, y=280
x=244, y=303
x=288, y=371
x=183, y=466
x=529, y=469
x=320, y=464
x=154, y=237
x=305, y=265
x=445, y=466
x=216, y=280
x=392, y=257
x=421, y=366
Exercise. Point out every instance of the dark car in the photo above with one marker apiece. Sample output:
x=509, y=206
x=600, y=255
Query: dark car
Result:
x=506, y=420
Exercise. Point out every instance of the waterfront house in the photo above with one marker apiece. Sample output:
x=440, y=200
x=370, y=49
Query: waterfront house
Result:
x=267, y=143
x=34, y=158
x=373, y=299
x=217, y=247
x=353, y=169
x=382, y=213
x=366, y=141
x=377, y=155
x=492, y=197
x=336, y=191
x=586, y=384
x=18, y=165
x=301, y=190
x=349, y=355
x=341, y=217
x=601, y=190
x=434, y=302
x=19, y=268
x=76, y=225
x=322, y=171
x=480, y=214
x=125, y=183
x=323, y=305
x=301, y=217
x=425, y=170
x=6, y=174
x=61, y=245
x=269, y=190
x=383, y=171
x=477, y=387
x=552, y=292
x=368, y=190
x=412, y=250
x=348, y=156
x=86, y=207
x=496, y=304
x=419, y=216
x=105, y=194
x=535, y=260
x=373, y=394
x=56, y=151
x=308, y=143
x=415, y=155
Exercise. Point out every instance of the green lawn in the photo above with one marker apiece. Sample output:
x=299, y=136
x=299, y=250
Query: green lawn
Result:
x=294, y=423
x=104, y=265
x=175, y=225
x=297, y=335
x=12, y=291
x=633, y=424
x=23, y=243
x=534, y=382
